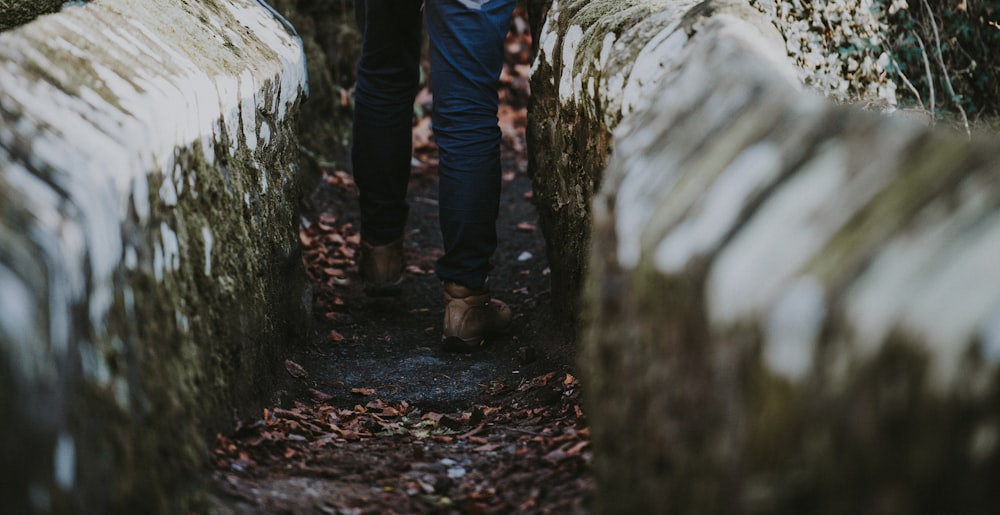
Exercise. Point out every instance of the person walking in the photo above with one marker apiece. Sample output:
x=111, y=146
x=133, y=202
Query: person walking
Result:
x=466, y=57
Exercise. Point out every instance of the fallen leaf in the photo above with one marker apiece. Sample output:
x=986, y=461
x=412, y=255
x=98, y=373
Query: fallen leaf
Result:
x=490, y=447
x=526, y=227
x=475, y=431
x=319, y=396
x=295, y=370
x=555, y=456
x=335, y=336
x=363, y=391
x=575, y=449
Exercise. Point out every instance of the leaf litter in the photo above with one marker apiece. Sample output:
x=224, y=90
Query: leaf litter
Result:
x=358, y=436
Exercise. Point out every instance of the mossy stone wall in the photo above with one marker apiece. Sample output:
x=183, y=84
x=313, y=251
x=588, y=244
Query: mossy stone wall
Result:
x=596, y=62
x=332, y=45
x=789, y=305
x=149, y=198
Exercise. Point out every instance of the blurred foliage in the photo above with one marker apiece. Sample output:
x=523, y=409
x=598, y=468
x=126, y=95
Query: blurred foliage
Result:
x=969, y=35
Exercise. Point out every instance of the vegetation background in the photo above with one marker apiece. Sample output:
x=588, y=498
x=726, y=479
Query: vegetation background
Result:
x=935, y=55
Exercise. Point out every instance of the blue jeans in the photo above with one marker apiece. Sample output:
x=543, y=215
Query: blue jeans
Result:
x=466, y=57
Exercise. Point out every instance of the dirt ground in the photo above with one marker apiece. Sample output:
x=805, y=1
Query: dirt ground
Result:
x=378, y=417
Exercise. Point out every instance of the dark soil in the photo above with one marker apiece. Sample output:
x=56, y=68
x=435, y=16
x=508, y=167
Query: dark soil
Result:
x=379, y=418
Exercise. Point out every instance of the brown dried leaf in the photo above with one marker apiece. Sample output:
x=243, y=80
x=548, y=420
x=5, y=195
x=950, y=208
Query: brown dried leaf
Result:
x=575, y=449
x=295, y=370
x=319, y=396
x=555, y=456
x=490, y=447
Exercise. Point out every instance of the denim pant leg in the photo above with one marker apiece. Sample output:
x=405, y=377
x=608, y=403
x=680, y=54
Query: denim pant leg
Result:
x=466, y=56
x=388, y=79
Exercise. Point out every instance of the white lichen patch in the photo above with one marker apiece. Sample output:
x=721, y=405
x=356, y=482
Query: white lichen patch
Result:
x=989, y=338
x=171, y=248
x=782, y=237
x=651, y=65
x=59, y=247
x=607, y=47
x=19, y=325
x=713, y=217
x=248, y=110
x=567, y=79
x=792, y=328
x=264, y=133
x=934, y=285
x=261, y=23
x=64, y=462
x=206, y=235
x=547, y=41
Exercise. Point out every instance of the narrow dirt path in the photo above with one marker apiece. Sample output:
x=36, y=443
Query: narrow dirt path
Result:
x=378, y=418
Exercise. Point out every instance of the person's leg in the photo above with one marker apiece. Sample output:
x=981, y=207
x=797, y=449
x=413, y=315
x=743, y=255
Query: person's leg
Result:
x=466, y=57
x=388, y=79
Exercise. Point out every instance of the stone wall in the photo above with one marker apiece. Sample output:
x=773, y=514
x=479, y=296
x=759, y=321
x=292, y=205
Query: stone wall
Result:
x=596, y=61
x=789, y=305
x=332, y=45
x=149, y=256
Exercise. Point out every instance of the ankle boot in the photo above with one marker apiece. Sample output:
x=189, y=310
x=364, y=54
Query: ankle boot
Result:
x=381, y=268
x=470, y=316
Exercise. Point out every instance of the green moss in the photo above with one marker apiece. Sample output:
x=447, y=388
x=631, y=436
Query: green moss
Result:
x=211, y=341
x=930, y=165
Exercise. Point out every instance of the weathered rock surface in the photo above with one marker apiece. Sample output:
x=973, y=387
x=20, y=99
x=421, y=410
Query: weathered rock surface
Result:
x=791, y=306
x=597, y=61
x=332, y=44
x=149, y=263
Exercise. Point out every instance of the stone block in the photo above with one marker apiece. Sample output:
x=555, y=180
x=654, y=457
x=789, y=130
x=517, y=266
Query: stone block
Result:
x=790, y=305
x=149, y=255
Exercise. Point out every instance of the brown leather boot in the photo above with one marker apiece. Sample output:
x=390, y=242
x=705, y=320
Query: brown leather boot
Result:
x=470, y=316
x=381, y=268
